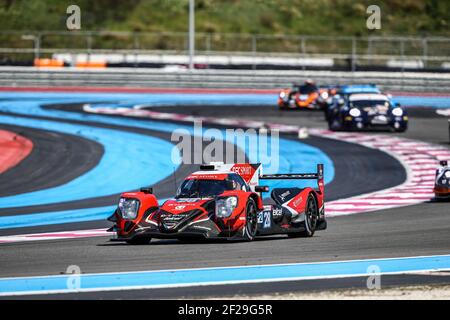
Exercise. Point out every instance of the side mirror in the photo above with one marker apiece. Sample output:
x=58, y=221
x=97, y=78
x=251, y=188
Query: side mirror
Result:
x=398, y=104
x=443, y=163
x=147, y=190
x=261, y=189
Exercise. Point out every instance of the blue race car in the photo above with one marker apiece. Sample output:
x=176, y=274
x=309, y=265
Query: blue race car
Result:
x=365, y=107
x=339, y=92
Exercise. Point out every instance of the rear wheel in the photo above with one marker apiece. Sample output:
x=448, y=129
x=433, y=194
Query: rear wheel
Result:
x=311, y=218
x=251, y=222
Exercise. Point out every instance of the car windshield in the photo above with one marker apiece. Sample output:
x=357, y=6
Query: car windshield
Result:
x=369, y=103
x=199, y=188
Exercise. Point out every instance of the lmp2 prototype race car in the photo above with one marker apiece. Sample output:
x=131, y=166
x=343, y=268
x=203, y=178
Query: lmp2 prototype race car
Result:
x=442, y=183
x=364, y=107
x=306, y=96
x=222, y=201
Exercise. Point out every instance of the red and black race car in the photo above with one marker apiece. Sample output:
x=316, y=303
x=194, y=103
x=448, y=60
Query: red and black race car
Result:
x=222, y=201
x=442, y=182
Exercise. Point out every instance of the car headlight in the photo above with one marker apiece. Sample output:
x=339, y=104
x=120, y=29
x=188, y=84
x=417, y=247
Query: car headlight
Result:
x=354, y=112
x=129, y=208
x=225, y=206
x=398, y=112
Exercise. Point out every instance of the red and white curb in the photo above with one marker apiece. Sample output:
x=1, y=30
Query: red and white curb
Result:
x=55, y=236
x=420, y=160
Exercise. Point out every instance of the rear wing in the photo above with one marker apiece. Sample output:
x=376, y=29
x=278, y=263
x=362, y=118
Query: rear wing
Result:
x=252, y=173
x=299, y=176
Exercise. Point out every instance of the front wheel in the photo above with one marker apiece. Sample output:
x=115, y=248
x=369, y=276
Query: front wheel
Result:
x=251, y=222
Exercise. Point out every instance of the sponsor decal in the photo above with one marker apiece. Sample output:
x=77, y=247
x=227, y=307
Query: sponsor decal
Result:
x=246, y=171
x=277, y=212
x=189, y=200
x=172, y=217
x=209, y=176
x=298, y=202
x=284, y=195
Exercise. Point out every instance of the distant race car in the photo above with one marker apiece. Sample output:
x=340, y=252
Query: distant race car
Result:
x=306, y=96
x=339, y=92
x=442, y=182
x=222, y=201
x=364, y=107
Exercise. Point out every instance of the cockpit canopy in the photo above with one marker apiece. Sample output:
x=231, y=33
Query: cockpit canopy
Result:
x=204, y=185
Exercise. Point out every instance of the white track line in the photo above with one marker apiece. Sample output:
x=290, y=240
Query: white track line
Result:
x=55, y=235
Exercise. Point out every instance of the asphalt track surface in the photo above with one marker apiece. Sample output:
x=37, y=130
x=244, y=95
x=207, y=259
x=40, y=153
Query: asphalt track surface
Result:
x=409, y=231
x=56, y=159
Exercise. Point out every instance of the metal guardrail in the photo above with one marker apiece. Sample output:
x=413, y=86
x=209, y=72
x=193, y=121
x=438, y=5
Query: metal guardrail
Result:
x=433, y=52
x=208, y=78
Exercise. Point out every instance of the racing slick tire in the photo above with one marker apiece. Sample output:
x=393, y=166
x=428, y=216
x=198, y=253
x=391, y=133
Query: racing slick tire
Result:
x=311, y=219
x=139, y=241
x=251, y=221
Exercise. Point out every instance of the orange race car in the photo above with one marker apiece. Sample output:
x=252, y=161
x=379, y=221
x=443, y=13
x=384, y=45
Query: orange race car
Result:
x=306, y=96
